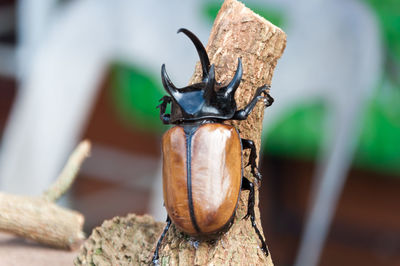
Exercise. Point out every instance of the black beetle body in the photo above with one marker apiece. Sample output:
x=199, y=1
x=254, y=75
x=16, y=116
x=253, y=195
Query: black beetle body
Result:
x=202, y=158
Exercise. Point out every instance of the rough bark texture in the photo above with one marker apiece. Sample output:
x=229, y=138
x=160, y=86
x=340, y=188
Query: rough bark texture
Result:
x=39, y=218
x=237, y=32
x=127, y=240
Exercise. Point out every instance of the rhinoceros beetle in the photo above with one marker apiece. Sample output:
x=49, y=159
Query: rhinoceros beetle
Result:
x=202, y=157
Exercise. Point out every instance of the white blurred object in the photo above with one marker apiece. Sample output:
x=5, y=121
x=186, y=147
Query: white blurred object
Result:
x=64, y=51
x=60, y=69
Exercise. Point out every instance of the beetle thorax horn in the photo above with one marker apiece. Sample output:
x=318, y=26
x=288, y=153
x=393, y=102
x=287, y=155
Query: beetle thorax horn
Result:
x=201, y=101
x=235, y=82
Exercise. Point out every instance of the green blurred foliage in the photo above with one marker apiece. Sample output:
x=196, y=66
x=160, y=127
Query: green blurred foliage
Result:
x=388, y=15
x=298, y=132
x=135, y=94
x=379, y=143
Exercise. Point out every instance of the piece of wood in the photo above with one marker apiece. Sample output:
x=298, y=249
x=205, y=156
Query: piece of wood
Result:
x=237, y=32
x=39, y=218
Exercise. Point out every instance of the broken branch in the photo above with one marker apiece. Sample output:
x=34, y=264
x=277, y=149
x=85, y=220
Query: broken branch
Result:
x=41, y=220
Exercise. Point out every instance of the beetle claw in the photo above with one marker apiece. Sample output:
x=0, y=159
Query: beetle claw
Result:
x=263, y=93
x=165, y=99
x=250, y=211
x=258, y=176
x=268, y=100
x=262, y=90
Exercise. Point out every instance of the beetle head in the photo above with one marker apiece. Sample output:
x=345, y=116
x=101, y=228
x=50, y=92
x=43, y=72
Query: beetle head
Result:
x=201, y=100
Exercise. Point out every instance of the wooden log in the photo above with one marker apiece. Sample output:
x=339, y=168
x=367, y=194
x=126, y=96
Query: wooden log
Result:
x=237, y=32
x=39, y=218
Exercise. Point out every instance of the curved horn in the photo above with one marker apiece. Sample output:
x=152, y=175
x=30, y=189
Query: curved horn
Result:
x=234, y=84
x=209, y=88
x=167, y=83
x=205, y=62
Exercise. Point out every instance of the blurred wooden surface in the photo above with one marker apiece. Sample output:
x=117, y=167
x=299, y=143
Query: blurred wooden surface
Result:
x=18, y=251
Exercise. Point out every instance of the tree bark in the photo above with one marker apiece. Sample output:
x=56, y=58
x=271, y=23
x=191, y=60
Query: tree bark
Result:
x=39, y=218
x=237, y=32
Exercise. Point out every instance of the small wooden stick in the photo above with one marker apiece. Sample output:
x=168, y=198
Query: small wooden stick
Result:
x=69, y=173
x=41, y=220
x=237, y=32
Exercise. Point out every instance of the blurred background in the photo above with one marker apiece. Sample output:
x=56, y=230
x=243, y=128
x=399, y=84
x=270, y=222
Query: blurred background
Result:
x=331, y=144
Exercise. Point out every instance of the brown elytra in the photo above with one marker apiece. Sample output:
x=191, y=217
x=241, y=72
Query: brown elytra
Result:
x=202, y=173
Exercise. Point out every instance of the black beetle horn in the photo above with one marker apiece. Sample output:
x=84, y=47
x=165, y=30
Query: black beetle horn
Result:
x=234, y=84
x=167, y=83
x=209, y=91
x=205, y=62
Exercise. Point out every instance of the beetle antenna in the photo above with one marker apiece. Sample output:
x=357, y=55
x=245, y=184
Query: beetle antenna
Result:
x=205, y=61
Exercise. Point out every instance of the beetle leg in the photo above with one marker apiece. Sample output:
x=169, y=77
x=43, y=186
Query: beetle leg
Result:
x=247, y=185
x=244, y=113
x=155, y=256
x=163, y=107
x=249, y=144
